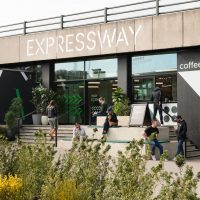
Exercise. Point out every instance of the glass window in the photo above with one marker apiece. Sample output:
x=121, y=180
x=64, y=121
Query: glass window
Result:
x=154, y=64
x=101, y=68
x=70, y=101
x=168, y=85
x=69, y=71
x=142, y=88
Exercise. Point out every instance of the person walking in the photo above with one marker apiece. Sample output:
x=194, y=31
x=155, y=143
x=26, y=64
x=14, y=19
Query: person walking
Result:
x=52, y=117
x=156, y=97
x=150, y=134
x=181, y=134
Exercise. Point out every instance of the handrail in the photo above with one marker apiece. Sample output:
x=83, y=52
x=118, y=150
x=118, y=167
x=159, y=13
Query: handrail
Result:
x=22, y=118
x=134, y=10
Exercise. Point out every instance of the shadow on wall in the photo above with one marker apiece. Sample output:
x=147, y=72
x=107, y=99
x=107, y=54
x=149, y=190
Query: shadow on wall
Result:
x=13, y=83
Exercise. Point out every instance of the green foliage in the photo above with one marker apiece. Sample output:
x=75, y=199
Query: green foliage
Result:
x=3, y=131
x=14, y=112
x=8, y=157
x=10, y=119
x=180, y=160
x=121, y=102
x=41, y=97
x=60, y=100
x=88, y=165
x=87, y=172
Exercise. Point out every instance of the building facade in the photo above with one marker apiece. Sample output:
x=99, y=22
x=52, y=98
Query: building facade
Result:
x=86, y=62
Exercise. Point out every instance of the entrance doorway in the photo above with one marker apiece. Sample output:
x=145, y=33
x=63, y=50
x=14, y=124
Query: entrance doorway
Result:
x=96, y=89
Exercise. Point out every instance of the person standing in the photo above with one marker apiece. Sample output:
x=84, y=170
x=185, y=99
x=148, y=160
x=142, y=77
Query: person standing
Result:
x=52, y=117
x=150, y=134
x=78, y=133
x=111, y=120
x=156, y=97
x=181, y=134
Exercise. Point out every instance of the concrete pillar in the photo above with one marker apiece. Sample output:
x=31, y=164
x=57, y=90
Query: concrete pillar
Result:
x=48, y=75
x=124, y=74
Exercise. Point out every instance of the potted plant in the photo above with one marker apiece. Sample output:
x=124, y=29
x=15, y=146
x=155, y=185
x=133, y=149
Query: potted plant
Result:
x=46, y=96
x=36, y=99
x=12, y=116
x=121, y=106
x=40, y=99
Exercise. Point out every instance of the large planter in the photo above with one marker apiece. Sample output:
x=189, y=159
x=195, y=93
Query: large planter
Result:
x=44, y=120
x=11, y=132
x=122, y=120
x=36, y=119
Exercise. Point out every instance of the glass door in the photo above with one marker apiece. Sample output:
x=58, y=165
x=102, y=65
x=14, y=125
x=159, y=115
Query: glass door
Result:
x=96, y=89
x=71, y=101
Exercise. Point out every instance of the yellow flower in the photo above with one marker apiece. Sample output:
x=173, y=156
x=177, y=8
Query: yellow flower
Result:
x=9, y=185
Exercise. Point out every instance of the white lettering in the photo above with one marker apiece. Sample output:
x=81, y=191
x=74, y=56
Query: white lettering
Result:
x=60, y=42
x=91, y=40
x=190, y=65
x=80, y=41
x=106, y=37
x=69, y=43
x=40, y=44
x=29, y=47
x=137, y=32
x=50, y=43
x=122, y=37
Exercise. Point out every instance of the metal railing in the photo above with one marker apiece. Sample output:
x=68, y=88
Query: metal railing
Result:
x=20, y=121
x=140, y=8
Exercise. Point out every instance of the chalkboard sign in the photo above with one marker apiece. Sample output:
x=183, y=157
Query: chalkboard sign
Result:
x=137, y=115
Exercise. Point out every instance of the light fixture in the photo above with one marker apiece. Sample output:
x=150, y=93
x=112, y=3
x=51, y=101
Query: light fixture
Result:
x=159, y=83
x=61, y=85
x=114, y=85
x=136, y=80
x=94, y=82
x=93, y=86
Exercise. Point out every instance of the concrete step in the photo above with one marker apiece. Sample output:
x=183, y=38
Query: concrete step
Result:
x=27, y=133
x=193, y=156
x=30, y=132
x=28, y=141
x=191, y=147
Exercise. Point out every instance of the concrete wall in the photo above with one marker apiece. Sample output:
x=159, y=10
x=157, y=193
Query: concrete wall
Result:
x=165, y=31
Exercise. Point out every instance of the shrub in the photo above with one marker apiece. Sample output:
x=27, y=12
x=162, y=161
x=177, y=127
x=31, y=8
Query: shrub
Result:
x=10, y=187
x=3, y=131
x=87, y=172
x=33, y=164
x=41, y=97
x=121, y=102
x=14, y=112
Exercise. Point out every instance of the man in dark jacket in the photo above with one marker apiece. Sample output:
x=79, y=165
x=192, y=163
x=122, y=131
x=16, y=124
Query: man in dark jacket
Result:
x=181, y=134
x=104, y=107
x=111, y=120
x=156, y=97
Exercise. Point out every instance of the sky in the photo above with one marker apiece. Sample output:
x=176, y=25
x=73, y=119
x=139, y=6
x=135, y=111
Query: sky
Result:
x=12, y=11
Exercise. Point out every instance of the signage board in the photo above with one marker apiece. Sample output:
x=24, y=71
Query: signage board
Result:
x=137, y=115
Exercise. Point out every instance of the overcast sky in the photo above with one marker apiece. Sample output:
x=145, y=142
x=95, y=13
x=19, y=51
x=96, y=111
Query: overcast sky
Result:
x=12, y=11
